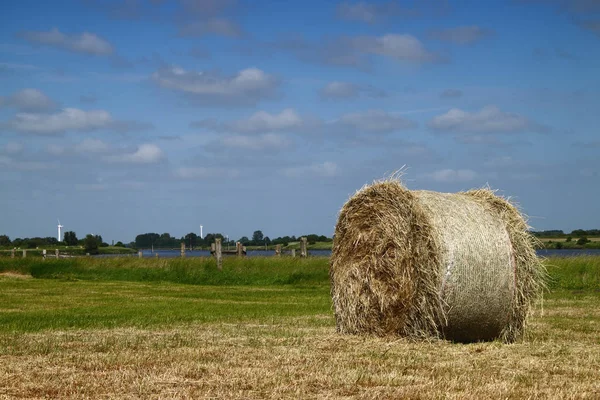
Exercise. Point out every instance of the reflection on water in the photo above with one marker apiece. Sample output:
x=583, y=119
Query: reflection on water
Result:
x=327, y=253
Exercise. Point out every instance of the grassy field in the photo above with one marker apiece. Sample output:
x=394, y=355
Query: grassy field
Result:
x=263, y=328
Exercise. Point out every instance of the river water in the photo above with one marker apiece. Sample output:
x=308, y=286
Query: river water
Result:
x=327, y=253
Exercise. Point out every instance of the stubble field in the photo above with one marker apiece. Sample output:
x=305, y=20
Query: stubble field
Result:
x=265, y=329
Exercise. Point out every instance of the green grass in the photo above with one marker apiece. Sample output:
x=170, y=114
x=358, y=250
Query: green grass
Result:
x=258, y=271
x=112, y=292
x=41, y=304
x=574, y=273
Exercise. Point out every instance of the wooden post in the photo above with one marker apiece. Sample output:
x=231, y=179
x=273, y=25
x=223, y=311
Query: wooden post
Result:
x=278, y=250
x=56, y=253
x=140, y=254
x=24, y=253
x=44, y=254
x=303, y=251
x=12, y=253
x=218, y=253
x=182, y=249
x=238, y=249
x=293, y=252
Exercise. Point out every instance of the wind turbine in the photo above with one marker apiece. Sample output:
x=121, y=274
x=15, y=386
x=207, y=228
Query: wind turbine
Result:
x=59, y=226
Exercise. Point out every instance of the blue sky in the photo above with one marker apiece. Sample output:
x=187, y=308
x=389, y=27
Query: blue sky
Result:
x=125, y=117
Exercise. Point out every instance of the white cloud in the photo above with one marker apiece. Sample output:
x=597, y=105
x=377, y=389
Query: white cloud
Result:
x=399, y=47
x=372, y=12
x=12, y=148
x=28, y=100
x=145, y=154
x=327, y=169
x=203, y=17
x=217, y=26
x=364, y=12
x=268, y=141
x=263, y=121
x=91, y=146
x=501, y=162
x=85, y=42
x=451, y=175
x=356, y=51
x=247, y=86
x=489, y=119
x=11, y=163
x=346, y=90
x=194, y=173
x=55, y=149
x=71, y=119
x=339, y=90
x=68, y=119
x=374, y=121
x=461, y=34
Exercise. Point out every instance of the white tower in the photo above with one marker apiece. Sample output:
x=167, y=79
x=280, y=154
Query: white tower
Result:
x=59, y=227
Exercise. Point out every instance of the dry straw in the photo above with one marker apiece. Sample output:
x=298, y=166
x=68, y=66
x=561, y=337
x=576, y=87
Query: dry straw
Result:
x=426, y=264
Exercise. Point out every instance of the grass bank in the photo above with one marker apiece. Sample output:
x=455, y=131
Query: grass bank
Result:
x=570, y=273
x=258, y=271
x=71, y=250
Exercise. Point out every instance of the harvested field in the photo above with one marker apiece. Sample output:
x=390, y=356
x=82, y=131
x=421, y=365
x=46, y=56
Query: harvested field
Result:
x=68, y=338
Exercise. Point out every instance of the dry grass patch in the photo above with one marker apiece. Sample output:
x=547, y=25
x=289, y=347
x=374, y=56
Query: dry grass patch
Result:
x=14, y=275
x=293, y=357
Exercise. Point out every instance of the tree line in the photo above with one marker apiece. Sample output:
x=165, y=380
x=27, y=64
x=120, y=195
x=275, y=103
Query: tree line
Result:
x=560, y=234
x=91, y=243
x=191, y=240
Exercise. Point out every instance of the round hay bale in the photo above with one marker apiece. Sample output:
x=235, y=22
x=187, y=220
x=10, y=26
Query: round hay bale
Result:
x=426, y=264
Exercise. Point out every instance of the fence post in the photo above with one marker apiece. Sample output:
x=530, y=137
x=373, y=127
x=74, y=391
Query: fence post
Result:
x=303, y=251
x=277, y=249
x=218, y=253
x=182, y=249
x=24, y=253
x=44, y=254
x=140, y=254
x=56, y=253
x=12, y=253
x=293, y=252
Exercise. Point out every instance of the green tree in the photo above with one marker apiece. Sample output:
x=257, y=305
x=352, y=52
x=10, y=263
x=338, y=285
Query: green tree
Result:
x=191, y=239
x=582, y=241
x=568, y=239
x=91, y=244
x=70, y=238
x=4, y=240
x=257, y=237
x=119, y=244
x=210, y=238
x=146, y=240
x=244, y=240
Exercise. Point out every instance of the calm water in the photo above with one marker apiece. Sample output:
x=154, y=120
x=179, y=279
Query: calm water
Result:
x=327, y=253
